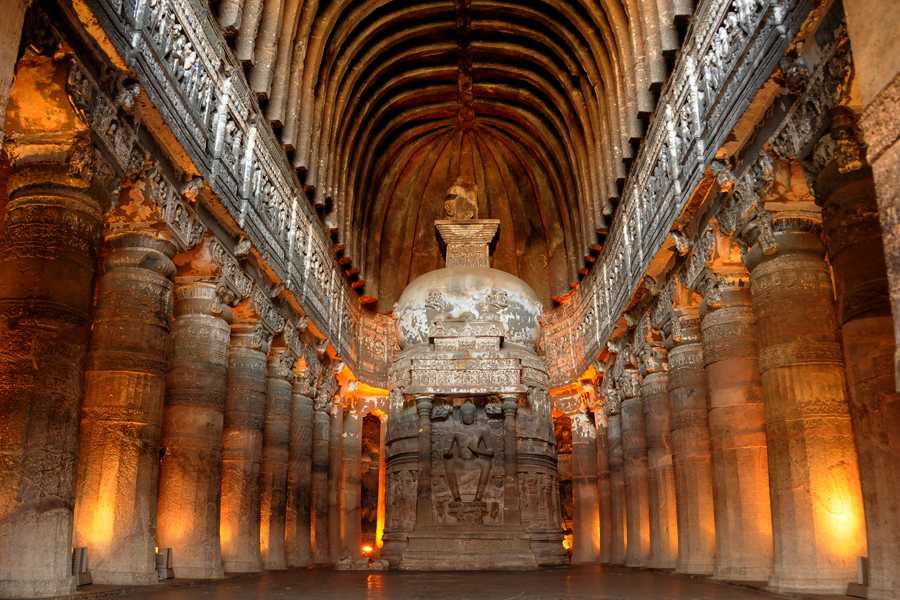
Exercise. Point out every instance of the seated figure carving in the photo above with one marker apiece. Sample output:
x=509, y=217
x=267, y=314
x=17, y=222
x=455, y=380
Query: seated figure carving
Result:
x=468, y=445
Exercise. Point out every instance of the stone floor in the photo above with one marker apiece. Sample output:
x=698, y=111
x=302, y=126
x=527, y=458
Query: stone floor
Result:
x=576, y=583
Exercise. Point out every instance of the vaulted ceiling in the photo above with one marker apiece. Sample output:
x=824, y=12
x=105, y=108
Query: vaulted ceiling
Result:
x=381, y=104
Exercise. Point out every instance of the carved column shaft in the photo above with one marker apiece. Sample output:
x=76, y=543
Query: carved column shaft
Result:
x=604, y=492
x=853, y=238
x=335, y=448
x=351, y=486
x=690, y=449
x=586, y=539
x=637, y=486
x=738, y=440
x=245, y=404
x=817, y=511
x=46, y=269
x=51, y=225
x=321, y=435
x=663, y=512
x=617, y=501
x=121, y=423
x=423, y=487
x=191, y=464
x=299, y=479
x=276, y=441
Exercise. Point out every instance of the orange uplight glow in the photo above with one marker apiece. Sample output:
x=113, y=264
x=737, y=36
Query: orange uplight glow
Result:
x=567, y=542
x=367, y=550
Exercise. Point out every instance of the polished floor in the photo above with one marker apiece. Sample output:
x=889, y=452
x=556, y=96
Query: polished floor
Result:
x=576, y=583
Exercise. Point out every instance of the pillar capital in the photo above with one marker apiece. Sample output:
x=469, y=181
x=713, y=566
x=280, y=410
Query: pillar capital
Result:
x=770, y=210
x=281, y=362
x=148, y=203
x=211, y=262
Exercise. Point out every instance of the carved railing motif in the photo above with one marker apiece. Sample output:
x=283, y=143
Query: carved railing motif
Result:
x=731, y=49
x=178, y=54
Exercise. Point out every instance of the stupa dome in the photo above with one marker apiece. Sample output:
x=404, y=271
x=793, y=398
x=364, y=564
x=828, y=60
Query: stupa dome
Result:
x=467, y=289
x=466, y=293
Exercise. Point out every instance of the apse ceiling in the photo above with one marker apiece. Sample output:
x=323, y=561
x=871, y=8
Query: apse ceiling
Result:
x=382, y=104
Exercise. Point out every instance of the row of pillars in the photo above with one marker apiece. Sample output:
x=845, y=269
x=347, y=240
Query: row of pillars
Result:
x=761, y=441
x=148, y=408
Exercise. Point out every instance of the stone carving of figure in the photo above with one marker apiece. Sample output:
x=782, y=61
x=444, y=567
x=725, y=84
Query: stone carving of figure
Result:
x=461, y=202
x=468, y=445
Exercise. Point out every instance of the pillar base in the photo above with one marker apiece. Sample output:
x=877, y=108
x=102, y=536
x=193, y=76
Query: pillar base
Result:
x=124, y=577
x=242, y=566
x=705, y=569
x=806, y=585
x=37, y=588
x=741, y=574
x=198, y=572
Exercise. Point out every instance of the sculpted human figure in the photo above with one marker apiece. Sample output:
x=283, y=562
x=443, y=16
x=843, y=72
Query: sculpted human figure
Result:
x=469, y=444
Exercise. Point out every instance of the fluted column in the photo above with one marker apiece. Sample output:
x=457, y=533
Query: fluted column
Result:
x=276, y=441
x=604, y=492
x=245, y=404
x=299, y=476
x=846, y=191
x=121, y=419
x=691, y=447
x=586, y=542
x=637, y=485
x=191, y=464
x=423, y=485
x=617, y=503
x=658, y=423
x=321, y=435
x=335, y=451
x=816, y=499
x=351, y=486
x=51, y=226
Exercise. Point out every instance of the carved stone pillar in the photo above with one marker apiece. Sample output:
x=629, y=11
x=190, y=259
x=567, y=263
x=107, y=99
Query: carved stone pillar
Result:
x=637, y=485
x=276, y=442
x=617, y=503
x=335, y=448
x=299, y=476
x=817, y=510
x=121, y=422
x=351, y=486
x=853, y=237
x=737, y=434
x=586, y=542
x=321, y=435
x=604, y=492
x=511, y=461
x=657, y=418
x=242, y=447
x=191, y=465
x=423, y=486
x=691, y=447
x=51, y=226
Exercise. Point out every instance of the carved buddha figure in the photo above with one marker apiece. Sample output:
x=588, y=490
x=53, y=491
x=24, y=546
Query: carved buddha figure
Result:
x=469, y=445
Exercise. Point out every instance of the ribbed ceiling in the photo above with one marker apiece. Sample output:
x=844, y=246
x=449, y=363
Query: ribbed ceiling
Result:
x=380, y=104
